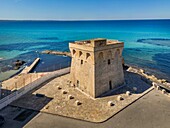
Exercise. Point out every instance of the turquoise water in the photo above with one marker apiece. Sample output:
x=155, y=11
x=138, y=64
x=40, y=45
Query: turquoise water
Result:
x=147, y=42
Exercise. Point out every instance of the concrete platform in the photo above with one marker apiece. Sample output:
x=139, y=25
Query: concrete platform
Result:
x=151, y=111
x=10, y=113
x=93, y=110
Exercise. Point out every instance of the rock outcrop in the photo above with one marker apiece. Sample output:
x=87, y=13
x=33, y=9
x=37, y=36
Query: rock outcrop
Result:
x=56, y=53
x=17, y=64
x=149, y=78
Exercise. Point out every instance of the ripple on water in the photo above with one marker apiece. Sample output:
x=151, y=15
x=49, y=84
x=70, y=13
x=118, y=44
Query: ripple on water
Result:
x=156, y=41
x=163, y=62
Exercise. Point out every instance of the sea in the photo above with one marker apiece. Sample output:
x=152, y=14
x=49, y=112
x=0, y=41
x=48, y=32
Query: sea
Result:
x=147, y=43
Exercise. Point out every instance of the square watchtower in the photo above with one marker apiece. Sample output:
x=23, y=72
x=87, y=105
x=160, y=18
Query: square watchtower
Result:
x=96, y=65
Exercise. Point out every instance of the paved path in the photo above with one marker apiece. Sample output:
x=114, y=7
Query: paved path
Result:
x=151, y=111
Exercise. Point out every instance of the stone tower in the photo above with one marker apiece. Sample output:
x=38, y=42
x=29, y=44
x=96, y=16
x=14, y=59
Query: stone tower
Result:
x=96, y=65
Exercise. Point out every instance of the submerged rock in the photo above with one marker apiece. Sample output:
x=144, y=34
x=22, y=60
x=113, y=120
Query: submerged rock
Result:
x=17, y=64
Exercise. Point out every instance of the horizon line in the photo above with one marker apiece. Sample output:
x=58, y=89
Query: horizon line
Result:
x=83, y=19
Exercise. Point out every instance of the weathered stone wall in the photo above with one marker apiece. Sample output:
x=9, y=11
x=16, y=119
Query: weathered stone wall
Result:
x=97, y=68
x=82, y=70
x=108, y=70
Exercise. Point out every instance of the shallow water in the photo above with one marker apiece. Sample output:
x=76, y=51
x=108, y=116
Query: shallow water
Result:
x=147, y=42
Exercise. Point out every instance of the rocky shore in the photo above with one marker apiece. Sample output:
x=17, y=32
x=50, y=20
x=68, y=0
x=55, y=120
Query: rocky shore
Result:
x=149, y=78
x=144, y=76
x=17, y=64
x=56, y=53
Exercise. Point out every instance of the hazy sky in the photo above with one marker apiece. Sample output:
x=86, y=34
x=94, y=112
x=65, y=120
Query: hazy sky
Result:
x=84, y=9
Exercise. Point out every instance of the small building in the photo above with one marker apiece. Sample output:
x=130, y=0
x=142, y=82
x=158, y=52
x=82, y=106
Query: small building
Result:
x=96, y=65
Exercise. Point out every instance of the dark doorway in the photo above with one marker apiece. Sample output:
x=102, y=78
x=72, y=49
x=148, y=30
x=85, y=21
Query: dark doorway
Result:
x=110, y=85
x=81, y=61
x=108, y=61
x=77, y=83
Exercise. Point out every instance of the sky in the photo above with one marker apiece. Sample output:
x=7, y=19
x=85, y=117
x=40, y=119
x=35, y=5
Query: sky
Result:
x=84, y=9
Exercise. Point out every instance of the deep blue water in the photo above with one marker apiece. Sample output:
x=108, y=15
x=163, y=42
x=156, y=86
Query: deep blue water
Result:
x=147, y=42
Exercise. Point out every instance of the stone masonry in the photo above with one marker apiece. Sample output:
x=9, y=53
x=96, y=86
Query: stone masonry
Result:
x=96, y=65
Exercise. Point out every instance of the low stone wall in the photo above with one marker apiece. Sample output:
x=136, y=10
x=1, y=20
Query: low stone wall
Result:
x=15, y=95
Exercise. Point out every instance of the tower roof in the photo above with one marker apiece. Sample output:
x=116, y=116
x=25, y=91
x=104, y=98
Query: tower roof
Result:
x=97, y=42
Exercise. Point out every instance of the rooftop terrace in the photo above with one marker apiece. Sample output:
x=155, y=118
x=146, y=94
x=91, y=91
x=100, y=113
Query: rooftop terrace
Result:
x=97, y=42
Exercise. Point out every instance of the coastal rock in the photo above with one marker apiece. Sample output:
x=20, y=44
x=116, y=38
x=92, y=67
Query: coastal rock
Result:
x=168, y=84
x=16, y=67
x=56, y=53
x=135, y=88
x=162, y=81
x=146, y=77
x=125, y=67
x=17, y=64
x=141, y=71
x=131, y=69
x=46, y=52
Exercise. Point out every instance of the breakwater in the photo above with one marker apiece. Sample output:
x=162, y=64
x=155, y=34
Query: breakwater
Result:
x=56, y=53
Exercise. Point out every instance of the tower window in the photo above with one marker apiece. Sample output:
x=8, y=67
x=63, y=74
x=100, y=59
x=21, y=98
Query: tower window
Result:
x=87, y=55
x=80, y=53
x=74, y=51
x=108, y=61
x=81, y=61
